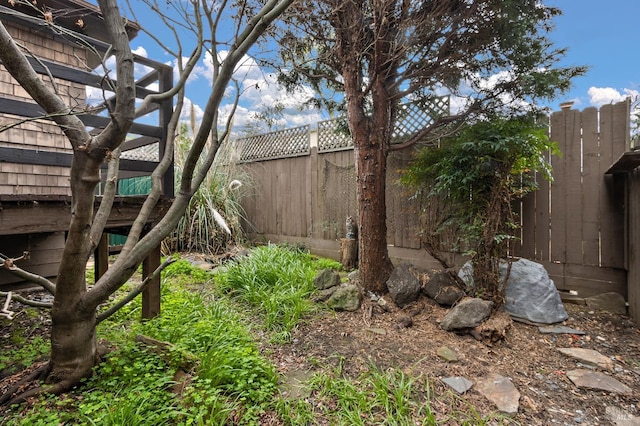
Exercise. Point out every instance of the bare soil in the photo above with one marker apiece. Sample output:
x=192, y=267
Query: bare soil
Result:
x=526, y=356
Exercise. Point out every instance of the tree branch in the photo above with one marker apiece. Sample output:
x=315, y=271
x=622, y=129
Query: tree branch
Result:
x=102, y=215
x=133, y=293
x=19, y=67
x=9, y=264
x=12, y=296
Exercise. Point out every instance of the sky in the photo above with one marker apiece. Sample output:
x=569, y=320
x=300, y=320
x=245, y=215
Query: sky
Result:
x=597, y=33
x=600, y=34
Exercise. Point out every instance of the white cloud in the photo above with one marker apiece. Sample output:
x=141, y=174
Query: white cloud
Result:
x=259, y=91
x=199, y=71
x=599, y=96
x=140, y=51
x=185, y=114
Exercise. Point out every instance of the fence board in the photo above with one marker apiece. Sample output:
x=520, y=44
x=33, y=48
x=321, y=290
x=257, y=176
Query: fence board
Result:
x=612, y=146
x=592, y=182
x=621, y=144
x=558, y=194
x=249, y=203
x=282, y=199
x=634, y=245
x=572, y=188
x=314, y=217
x=524, y=243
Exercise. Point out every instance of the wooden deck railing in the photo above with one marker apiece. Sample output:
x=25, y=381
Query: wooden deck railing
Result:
x=147, y=130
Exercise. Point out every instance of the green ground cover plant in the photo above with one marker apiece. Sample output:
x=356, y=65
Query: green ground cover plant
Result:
x=278, y=282
x=210, y=320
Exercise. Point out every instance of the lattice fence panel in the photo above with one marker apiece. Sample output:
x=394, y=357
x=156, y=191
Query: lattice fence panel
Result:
x=415, y=116
x=282, y=144
x=333, y=135
x=412, y=117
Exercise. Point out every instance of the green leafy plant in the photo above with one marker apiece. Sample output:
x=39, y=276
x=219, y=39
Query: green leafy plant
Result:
x=231, y=382
x=182, y=270
x=469, y=182
x=277, y=280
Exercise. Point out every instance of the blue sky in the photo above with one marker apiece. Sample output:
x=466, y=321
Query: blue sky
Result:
x=597, y=33
x=600, y=34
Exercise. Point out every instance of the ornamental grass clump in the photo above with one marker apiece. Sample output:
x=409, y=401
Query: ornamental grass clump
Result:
x=277, y=280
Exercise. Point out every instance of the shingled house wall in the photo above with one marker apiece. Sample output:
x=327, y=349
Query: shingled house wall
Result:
x=41, y=135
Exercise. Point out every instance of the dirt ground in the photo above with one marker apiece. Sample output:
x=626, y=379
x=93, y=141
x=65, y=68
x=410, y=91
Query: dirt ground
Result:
x=529, y=358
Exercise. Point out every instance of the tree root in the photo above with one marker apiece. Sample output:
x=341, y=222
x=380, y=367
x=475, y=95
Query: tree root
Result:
x=55, y=389
x=36, y=374
x=10, y=397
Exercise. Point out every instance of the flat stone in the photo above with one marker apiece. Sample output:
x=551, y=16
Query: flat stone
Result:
x=294, y=384
x=610, y=302
x=589, y=356
x=500, y=391
x=447, y=354
x=561, y=329
x=619, y=417
x=594, y=380
x=458, y=384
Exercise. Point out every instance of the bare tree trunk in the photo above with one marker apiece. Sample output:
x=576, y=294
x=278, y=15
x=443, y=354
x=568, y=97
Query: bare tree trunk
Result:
x=73, y=340
x=374, y=265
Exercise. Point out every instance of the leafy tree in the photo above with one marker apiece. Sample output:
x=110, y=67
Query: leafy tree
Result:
x=367, y=57
x=471, y=180
x=225, y=31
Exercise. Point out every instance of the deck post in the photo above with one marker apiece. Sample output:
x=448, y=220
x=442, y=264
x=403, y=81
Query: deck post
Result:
x=101, y=257
x=151, y=294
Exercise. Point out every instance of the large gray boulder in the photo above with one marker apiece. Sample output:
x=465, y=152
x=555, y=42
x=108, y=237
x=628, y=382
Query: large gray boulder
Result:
x=530, y=294
x=404, y=285
x=469, y=313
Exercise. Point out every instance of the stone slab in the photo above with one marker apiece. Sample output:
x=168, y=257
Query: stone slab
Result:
x=589, y=357
x=561, y=329
x=599, y=381
x=500, y=391
x=447, y=354
x=458, y=384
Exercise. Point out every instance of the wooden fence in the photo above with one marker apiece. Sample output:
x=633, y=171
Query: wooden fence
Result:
x=575, y=226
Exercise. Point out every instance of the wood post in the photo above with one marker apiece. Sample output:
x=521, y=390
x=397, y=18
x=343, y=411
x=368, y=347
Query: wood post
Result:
x=349, y=253
x=101, y=257
x=151, y=294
